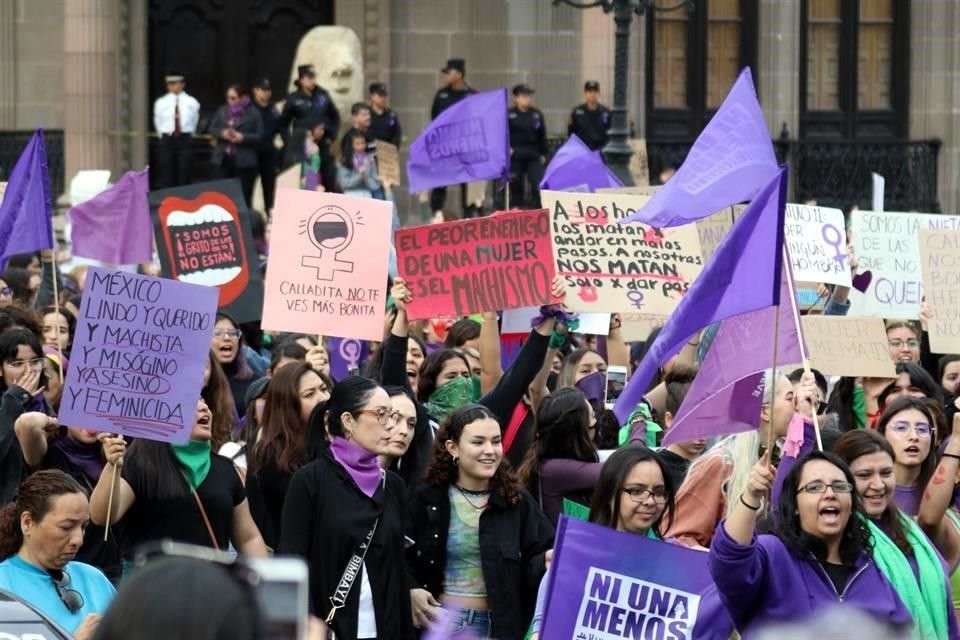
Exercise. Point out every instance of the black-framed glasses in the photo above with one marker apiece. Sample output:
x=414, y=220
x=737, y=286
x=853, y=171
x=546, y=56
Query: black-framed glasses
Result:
x=818, y=486
x=642, y=494
x=71, y=598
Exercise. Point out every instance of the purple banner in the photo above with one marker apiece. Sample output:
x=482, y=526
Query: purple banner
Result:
x=346, y=354
x=138, y=355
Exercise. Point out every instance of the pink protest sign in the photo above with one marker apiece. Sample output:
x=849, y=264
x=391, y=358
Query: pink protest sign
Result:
x=327, y=270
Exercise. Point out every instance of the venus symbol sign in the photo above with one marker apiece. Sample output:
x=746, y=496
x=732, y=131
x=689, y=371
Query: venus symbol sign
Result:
x=330, y=230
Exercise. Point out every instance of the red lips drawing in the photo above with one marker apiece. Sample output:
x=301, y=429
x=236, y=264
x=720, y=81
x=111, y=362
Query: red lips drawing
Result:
x=204, y=240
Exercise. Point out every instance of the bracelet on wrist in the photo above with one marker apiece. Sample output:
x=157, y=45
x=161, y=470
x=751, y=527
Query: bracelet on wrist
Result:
x=951, y=455
x=748, y=505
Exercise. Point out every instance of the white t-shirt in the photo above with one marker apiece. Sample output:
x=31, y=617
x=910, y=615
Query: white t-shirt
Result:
x=366, y=618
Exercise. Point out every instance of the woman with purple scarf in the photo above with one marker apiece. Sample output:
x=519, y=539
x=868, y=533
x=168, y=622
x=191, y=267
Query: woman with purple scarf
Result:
x=237, y=127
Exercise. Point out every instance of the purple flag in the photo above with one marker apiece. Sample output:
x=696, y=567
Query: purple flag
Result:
x=574, y=167
x=346, y=354
x=730, y=162
x=466, y=143
x=727, y=393
x=742, y=275
x=25, y=223
x=114, y=226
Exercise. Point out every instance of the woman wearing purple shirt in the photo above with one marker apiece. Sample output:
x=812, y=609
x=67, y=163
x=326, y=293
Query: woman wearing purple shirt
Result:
x=910, y=426
x=818, y=555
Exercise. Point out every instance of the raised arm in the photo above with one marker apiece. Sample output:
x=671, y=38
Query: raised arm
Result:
x=741, y=524
x=938, y=497
x=123, y=496
x=490, y=352
x=393, y=368
x=32, y=431
x=617, y=352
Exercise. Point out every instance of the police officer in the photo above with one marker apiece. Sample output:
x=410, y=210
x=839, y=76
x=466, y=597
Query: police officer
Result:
x=455, y=89
x=175, y=118
x=309, y=102
x=591, y=119
x=528, y=148
x=384, y=123
x=267, y=154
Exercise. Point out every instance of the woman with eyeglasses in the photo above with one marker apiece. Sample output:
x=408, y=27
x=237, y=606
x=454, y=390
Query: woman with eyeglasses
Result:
x=910, y=426
x=904, y=554
x=819, y=553
x=228, y=345
x=21, y=391
x=344, y=515
x=479, y=541
x=41, y=532
x=281, y=446
x=183, y=492
x=237, y=128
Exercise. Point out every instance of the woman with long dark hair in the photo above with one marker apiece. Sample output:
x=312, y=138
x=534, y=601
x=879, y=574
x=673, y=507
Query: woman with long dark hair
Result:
x=216, y=393
x=563, y=461
x=58, y=328
x=343, y=512
x=910, y=426
x=401, y=457
x=282, y=444
x=228, y=346
x=479, y=540
x=819, y=554
x=904, y=554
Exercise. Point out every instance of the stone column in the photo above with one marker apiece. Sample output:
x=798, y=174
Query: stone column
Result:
x=778, y=59
x=8, y=66
x=90, y=43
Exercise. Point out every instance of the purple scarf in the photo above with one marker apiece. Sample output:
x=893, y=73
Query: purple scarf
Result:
x=85, y=457
x=237, y=108
x=363, y=466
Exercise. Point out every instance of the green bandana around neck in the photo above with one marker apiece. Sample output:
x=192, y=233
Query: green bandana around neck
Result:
x=449, y=397
x=194, y=459
x=926, y=600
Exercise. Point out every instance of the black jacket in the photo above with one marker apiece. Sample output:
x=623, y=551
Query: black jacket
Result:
x=446, y=98
x=14, y=402
x=299, y=108
x=513, y=541
x=590, y=126
x=325, y=518
x=271, y=126
x=386, y=126
x=249, y=124
x=528, y=134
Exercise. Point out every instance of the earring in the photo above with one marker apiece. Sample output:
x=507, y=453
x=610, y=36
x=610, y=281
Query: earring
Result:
x=456, y=460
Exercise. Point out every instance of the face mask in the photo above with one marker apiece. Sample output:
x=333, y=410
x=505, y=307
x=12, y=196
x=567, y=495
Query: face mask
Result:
x=593, y=387
x=448, y=398
x=477, y=388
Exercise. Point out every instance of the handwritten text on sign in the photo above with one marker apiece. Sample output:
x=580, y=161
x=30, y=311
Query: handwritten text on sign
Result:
x=138, y=356
x=616, y=267
x=887, y=247
x=327, y=271
x=848, y=346
x=817, y=242
x=388, y=163
x=940, y=255
x=470, y=266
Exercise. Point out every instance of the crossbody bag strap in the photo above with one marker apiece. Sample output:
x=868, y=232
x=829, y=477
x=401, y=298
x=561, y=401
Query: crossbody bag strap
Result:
x=339, y=597
x=206, y=520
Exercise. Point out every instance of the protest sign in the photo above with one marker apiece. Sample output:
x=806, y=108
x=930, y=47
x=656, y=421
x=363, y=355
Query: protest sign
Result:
x=204, y=236
x=888, y=255
x=940, y=257
x=138, y=355
x=616, y=267
x=518, y=321
x=327, y=272
x=632, y=191
x=818, y=244
x=482, y=264
x=712, y=229
x=639, y=169
x=388, y=163
x=347, y=355
x=637, y=327
x=608, y=585
x=848, y=346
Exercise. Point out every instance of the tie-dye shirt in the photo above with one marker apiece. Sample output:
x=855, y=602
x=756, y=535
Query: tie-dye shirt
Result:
x=464, y=572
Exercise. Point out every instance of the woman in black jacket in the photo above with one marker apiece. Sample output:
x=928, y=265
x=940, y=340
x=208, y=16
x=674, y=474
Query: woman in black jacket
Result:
x=238, y=128
x=342, y=509
x=479, y=540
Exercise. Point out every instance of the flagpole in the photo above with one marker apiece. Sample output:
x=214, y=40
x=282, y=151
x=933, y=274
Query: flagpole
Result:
x=56, y=306
x=803, y=352
x=507, y=205
x=773, y=374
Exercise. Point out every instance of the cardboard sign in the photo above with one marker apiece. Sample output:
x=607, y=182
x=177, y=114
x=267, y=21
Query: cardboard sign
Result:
x=457, y=268
x=616, y=267
x=204, y=237
x=388, y=163
x=631, y=191
x=940, y=257
x=888, y=252
x=518, y=321
x=712, y=230
x=637, y=327
x=817, y=241
x=327, y=270
x=138, y=355
x=639, y=169
x=848, y=346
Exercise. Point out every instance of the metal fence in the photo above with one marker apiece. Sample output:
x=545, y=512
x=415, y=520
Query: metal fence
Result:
x=12, y=144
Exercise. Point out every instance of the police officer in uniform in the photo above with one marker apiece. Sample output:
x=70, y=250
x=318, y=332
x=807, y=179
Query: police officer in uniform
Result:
x=384, y=123
x=528, y=148
x=267, y=153
x=308, y=103
x=454, y=90
x=591, y=119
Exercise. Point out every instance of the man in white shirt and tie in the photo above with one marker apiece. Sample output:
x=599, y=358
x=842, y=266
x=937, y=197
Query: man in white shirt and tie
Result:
x=175, y=117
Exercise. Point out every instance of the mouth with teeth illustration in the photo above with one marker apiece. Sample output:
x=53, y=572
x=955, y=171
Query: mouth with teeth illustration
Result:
x=204, y=239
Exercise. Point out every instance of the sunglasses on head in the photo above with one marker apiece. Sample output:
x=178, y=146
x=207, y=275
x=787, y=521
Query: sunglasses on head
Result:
x=71, y=598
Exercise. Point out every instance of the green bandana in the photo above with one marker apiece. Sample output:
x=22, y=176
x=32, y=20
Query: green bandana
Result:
x=859, y=407
x=194, y=459
x=640, y=414
x=477, y=388
x=926, y=600
x=446, y=399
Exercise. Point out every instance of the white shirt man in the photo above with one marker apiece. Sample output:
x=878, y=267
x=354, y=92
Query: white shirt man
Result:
x=175, y=117
x=176, y=102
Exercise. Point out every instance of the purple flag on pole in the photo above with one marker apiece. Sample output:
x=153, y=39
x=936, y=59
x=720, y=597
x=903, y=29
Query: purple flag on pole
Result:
x=466, y=143
x=574, y=167
x=730, y=162
x=25, y=223
x=742, y=275
x=346, y=354
x=115, y=226
x=727, y=394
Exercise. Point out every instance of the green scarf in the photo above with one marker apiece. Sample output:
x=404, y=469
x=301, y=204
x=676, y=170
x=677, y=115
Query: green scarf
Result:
x=449, y=397
x=641, y=413
x=580, y=512
x=194, y=459
x=926, y=601
x=859, y=407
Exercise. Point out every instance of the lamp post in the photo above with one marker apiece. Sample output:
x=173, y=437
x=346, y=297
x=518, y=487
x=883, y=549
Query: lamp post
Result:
x=617, y=152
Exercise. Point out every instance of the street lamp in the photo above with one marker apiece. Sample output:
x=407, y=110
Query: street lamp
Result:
x=617, y=152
